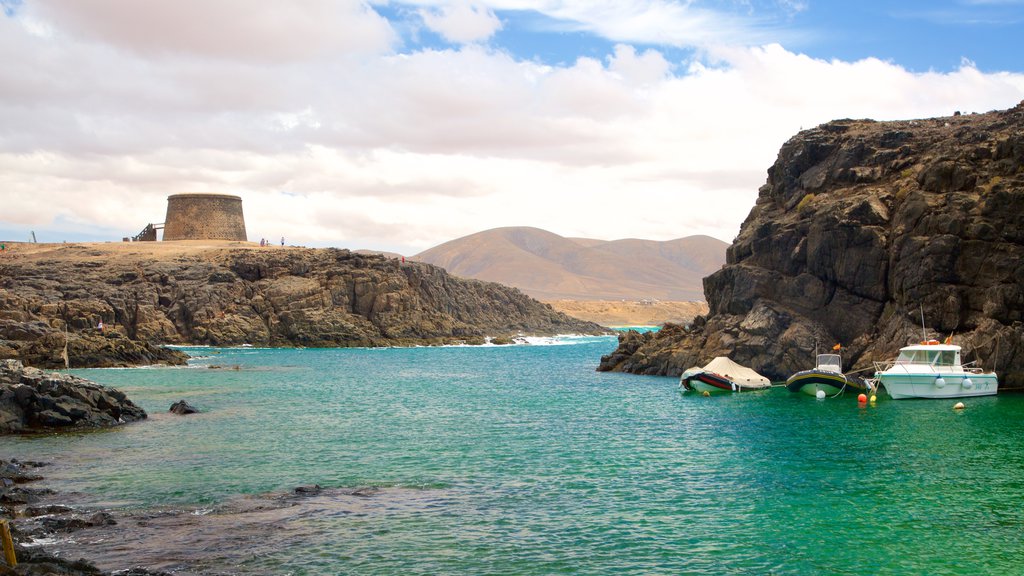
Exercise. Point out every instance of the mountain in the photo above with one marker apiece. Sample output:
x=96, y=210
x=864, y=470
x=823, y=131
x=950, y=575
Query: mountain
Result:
x=552, y=267
x=120, y=301
x=863, y=231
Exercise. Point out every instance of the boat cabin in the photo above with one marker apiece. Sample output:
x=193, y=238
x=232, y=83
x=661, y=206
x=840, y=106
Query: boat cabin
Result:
x=930, y=355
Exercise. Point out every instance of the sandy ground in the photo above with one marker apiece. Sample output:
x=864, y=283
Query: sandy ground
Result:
x=89, y=250
x=615, y=313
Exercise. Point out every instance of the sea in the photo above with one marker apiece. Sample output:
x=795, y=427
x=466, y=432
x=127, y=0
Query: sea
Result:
x=524, y=460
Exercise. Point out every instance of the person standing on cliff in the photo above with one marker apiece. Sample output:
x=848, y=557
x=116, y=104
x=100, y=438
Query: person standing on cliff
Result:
x=282, y=240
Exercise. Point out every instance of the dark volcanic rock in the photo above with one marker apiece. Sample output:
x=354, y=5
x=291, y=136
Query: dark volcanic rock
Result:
x=231, y=296
x=32, y=400
x=860, y=226
x=182, y=408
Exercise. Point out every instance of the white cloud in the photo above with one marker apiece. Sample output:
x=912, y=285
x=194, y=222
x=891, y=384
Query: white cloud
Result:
x=365, y=147
x=639, y=69
x=666, y=22
x=462, y=22
x=228, y=29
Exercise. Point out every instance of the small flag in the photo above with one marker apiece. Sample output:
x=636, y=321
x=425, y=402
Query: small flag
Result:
x=837, y=346
x=949, y=339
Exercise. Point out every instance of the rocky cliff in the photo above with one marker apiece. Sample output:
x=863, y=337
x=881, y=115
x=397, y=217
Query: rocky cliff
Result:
x=860, y=228
x=167, y=294
x=32, y=400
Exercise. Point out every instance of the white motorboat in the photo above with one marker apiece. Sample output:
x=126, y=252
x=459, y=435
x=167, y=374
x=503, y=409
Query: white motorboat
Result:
x=933, y=370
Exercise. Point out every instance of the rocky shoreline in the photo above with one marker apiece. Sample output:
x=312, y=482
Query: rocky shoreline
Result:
x=862, y=229
x=36, y=516
x=32, y=401
x=120, y=304
x=52, y=531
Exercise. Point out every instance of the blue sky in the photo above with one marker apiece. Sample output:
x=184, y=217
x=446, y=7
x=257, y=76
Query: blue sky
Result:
x=918, y=35
x=401, y=125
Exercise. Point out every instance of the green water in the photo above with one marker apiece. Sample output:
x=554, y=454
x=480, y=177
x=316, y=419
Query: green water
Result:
x=524, y=460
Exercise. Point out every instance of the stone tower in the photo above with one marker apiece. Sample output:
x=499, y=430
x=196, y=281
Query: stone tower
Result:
x=204, y=217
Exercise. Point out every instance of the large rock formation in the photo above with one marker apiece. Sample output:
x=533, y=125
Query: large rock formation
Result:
x=861, y=227
x=32, y=400
x=244, y=295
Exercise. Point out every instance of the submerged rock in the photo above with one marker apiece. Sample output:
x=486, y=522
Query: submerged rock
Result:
x=860, y=228
x=32, y=400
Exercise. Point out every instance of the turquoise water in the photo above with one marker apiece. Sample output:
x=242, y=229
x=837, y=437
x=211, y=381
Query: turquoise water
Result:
x=524, y=460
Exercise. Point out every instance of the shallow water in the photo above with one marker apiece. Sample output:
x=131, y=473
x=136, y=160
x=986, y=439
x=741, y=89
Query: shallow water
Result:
x=524, y=460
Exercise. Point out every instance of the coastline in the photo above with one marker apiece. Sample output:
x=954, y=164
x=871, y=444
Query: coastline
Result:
x=631, y=313
x=120, y=304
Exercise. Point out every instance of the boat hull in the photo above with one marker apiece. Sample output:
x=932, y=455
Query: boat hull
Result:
x=902, y=386
x=810, y=381
x=713, y=384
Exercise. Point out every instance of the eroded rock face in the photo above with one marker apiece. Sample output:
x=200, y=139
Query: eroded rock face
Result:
x=32, y=400
x=861, y=226
x=268, y=297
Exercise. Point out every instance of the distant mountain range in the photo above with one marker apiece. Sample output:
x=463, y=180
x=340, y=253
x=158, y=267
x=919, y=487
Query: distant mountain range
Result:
x=552, y=267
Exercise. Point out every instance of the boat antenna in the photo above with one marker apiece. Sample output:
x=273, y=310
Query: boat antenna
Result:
x=924, y=332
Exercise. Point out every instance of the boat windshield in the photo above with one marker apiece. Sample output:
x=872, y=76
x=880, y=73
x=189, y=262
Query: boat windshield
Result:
x=830, y=362
x=932, y=357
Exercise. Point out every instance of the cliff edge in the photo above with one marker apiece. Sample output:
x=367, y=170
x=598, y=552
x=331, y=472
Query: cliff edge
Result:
x=860, y=228
x=149, y=294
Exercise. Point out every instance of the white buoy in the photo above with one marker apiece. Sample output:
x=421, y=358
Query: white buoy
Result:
x=958, y=406
x=967, y=384
x=940, y=382
x=820, y=394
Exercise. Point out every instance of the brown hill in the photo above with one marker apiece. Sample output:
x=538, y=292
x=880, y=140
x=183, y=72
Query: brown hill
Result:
x=551, y=267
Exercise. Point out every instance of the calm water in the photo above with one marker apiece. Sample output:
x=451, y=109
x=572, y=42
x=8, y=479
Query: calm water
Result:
x=524, y=460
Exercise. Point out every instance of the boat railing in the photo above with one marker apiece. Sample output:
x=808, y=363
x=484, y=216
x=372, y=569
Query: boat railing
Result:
x=882, y=365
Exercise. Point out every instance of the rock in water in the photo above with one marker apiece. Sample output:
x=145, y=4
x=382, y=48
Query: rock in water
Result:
x=182, y=408
x=32, y=400
x=859, y=226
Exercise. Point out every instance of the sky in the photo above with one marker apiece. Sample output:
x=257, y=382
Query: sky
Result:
x=398, y=126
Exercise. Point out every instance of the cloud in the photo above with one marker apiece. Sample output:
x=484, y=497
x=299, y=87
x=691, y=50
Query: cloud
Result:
x=349, y=142
x=462, y=22
x=228, y=29
x=639, y=69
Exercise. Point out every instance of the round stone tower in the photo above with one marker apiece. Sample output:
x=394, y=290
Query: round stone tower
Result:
x=204, y=217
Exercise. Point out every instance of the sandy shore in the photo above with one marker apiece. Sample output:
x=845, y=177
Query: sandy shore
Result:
x=616, y=313
x=159, y=250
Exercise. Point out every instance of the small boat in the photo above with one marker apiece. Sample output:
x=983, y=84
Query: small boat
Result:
x=826, y=376
x=933, y=370
x=722, y=375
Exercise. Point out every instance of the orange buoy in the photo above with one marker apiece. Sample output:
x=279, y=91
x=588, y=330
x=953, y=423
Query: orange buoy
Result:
x=862, y=399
